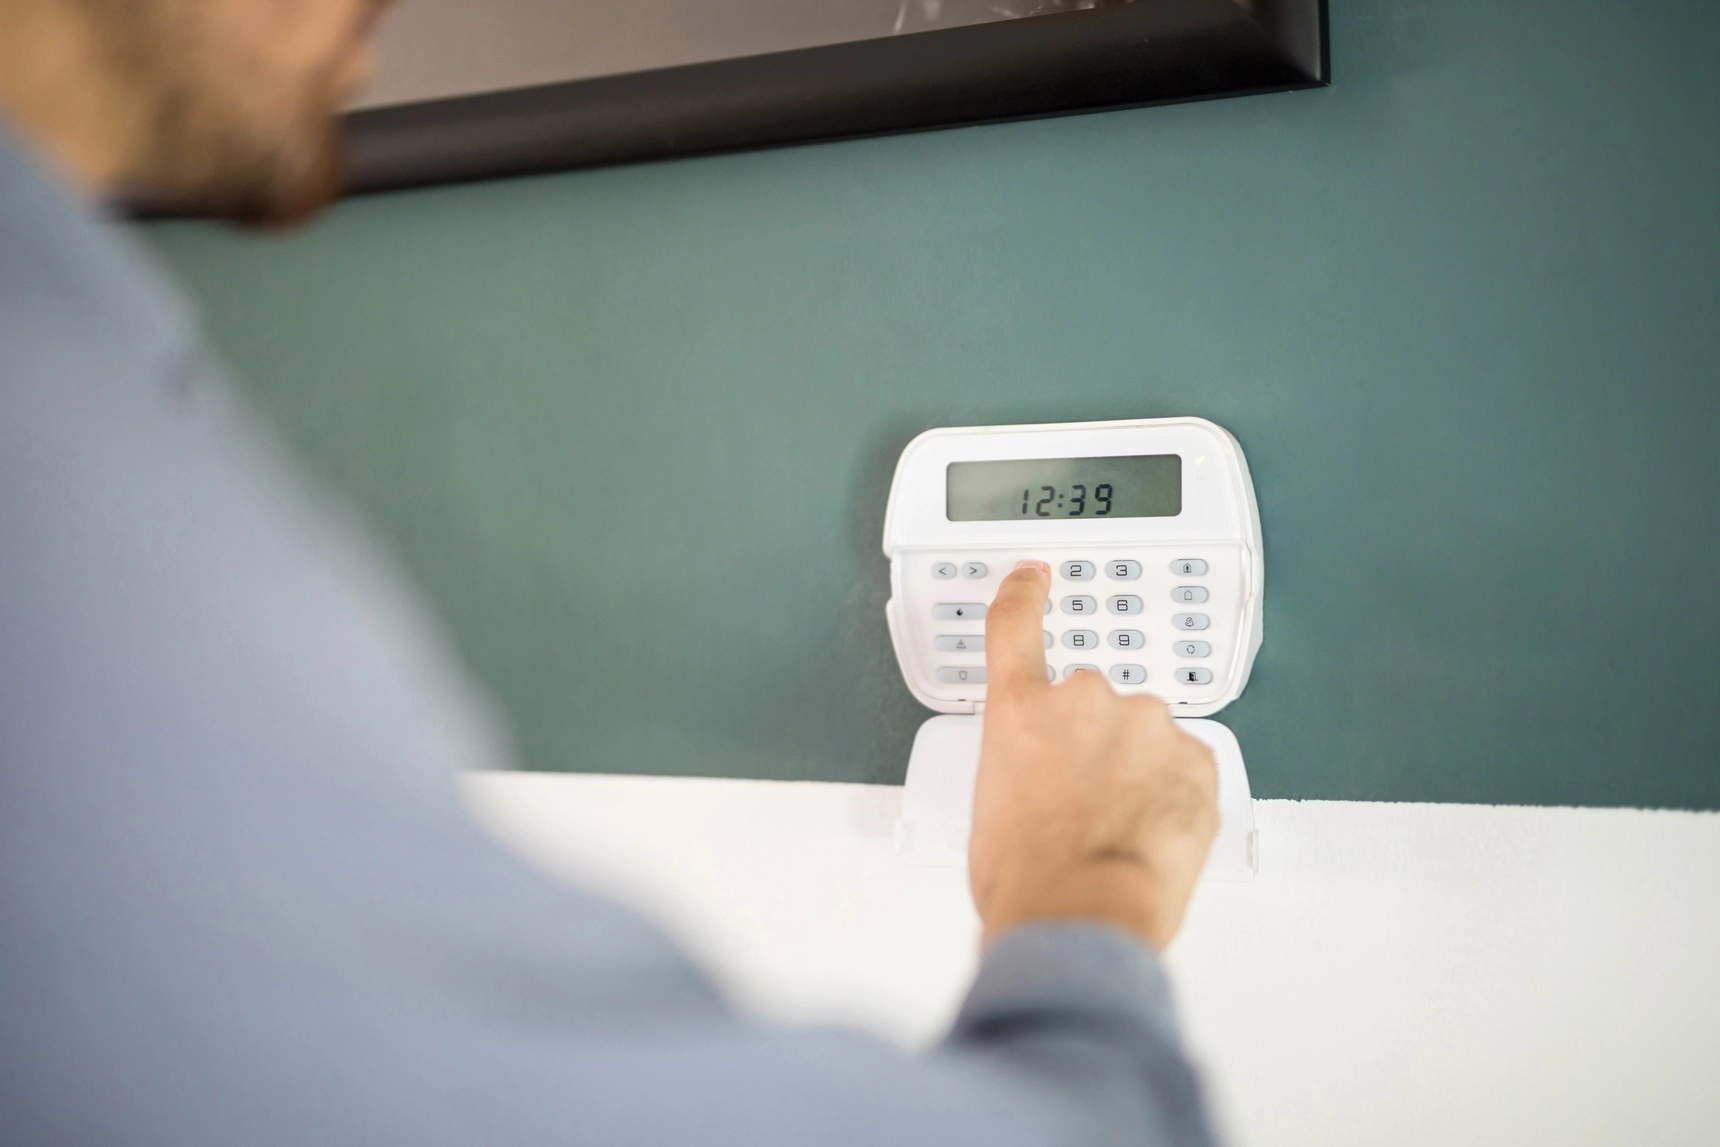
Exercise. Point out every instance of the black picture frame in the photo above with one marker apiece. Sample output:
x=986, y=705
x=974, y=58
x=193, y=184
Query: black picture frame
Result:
x=1149, y=52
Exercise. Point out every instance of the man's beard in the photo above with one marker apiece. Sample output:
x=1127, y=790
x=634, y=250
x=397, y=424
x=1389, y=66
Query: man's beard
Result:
x=199, y=165
x=215, y=140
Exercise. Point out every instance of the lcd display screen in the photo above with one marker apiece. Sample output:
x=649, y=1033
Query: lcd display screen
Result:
x=1131, y=486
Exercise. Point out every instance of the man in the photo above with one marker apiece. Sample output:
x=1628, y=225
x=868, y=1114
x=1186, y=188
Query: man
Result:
x=240, y=902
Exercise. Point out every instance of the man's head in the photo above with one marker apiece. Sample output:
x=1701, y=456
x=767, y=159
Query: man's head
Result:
x=225, y=107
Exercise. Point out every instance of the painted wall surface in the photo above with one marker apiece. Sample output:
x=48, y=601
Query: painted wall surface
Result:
x=1397, y=974
x=633, y=428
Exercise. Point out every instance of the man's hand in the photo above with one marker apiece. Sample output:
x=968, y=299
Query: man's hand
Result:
x=1089, y=806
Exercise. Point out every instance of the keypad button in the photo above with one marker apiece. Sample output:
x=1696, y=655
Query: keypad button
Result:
x=1189, y=594
x=1047, y=608
x=1078, y=571
x=1192, y=649
x=1046, y=633
x=961, y=674
x=1081, y=605
x=1126, y=603
x=1127, y=639
x=1123, y=571
x=1189, y=567
x=1080, y=639
x=1191, y=621
x=959, y=611
x=1070, y=670
x=973, y=569
x=943, y=571
x=960, y=643
x=1128, y=674
x=1194, y=676
x=1050, y=673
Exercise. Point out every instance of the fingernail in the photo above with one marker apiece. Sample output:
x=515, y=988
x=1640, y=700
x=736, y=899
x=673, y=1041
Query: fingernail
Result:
x=1032, y=564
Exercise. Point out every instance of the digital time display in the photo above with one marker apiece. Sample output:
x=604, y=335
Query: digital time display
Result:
x=1131, y=486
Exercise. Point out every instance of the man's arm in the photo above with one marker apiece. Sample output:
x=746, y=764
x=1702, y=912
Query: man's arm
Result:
x=239, y=901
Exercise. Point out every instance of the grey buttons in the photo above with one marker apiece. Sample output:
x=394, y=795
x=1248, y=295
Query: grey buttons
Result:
x=1191, y=621
x=1046, y=633
x=1191, y=567
x=943, y=571
x=1078, y=571
x=1047, y=608
x=959, y=643
x=973, y=569
x=1123, y=571
x=959, y=611
x=1128, y=674
x=1124, y=603
x=1189, y=594
x=1127, y=639
x=1194, y=676
x=1070, y=670
x=1192, y=649
x=961, y=675
x=1080, y=605
x=1080, y=639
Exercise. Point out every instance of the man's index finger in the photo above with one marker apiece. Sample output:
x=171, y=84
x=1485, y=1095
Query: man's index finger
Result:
x=1014, y=645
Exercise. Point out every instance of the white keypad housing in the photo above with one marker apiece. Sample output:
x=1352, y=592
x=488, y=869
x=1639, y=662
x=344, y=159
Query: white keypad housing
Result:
x=1164, y=605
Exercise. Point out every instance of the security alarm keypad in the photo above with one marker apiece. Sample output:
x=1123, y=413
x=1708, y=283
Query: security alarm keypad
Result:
x=1151, y=533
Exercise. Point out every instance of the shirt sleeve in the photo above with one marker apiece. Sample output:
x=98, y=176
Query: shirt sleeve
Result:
x=1084, y=1013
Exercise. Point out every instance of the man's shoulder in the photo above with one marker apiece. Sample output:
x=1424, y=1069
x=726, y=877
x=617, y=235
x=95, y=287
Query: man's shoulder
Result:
x=75, y=289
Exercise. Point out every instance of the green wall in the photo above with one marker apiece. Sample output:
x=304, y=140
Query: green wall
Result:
x=633, y=428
